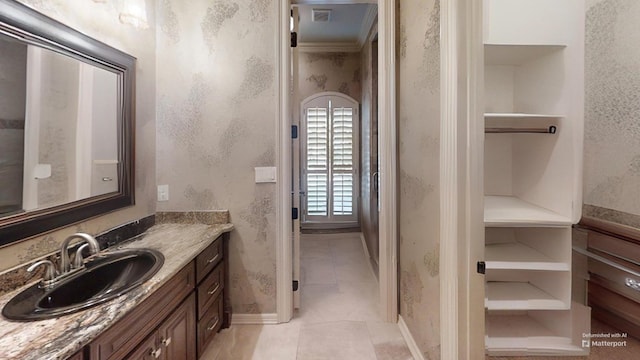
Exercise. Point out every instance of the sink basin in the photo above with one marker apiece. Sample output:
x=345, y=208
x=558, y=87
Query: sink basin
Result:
x=104, y=277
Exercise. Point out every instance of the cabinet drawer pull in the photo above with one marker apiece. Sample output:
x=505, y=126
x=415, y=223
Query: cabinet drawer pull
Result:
x=213, y=259
x=156, y=352
x=634, y=284
x=211, y=327
x=211, y=292
x=166, y=342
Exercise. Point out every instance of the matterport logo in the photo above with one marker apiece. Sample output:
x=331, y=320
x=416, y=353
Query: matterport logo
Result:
x=604, y=340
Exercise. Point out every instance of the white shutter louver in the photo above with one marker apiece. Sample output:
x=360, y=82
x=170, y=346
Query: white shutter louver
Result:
x=317, y=161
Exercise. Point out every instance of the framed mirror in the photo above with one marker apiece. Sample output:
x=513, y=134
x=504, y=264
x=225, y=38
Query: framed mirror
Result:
x=66, y=125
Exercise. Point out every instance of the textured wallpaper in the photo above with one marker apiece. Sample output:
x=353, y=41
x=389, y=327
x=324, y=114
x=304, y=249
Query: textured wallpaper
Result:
x=100, y=20
x=419, y=143
x=334, y=71
x=216, y=122
x=612, y=113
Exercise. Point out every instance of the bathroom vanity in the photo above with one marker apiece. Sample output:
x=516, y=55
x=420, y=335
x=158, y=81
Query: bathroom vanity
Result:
x=174, y=315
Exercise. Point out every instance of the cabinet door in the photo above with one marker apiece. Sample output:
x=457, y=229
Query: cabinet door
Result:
x=147, y=350
x=177, y=333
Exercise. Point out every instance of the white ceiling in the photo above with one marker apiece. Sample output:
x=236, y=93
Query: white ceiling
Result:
x=345, y=25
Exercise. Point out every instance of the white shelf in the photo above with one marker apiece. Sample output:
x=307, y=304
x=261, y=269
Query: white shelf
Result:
x=509, y=211
x=520, y=296
x=521, y=335
x=507, y=54
x=520, y=257
x=521, y=116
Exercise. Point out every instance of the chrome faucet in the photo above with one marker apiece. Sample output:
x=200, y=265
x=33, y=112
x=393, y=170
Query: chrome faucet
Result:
x=50, y=272
x=65, y=263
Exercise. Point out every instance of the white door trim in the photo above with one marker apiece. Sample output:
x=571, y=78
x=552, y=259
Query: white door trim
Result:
x=461, y=180
x=388, y=258
x=284, y=243
x=388, y=171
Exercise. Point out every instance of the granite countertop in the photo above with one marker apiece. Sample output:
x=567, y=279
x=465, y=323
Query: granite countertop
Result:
x=62, y=337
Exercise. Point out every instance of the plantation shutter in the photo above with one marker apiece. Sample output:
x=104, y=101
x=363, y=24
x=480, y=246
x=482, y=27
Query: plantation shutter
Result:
x=330, y=172
x=317, y=161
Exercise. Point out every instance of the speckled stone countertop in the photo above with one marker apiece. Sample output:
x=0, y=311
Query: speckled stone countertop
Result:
x=62, y=337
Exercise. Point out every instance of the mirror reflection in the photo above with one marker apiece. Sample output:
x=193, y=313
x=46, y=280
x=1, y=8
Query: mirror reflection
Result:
x=58, y=128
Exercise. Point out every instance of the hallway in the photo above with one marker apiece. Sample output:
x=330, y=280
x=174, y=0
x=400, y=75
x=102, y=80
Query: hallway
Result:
x=338, y=318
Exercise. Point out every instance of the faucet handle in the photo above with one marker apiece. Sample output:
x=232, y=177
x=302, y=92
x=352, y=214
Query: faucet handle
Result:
x=78, y=259
x=50, y=272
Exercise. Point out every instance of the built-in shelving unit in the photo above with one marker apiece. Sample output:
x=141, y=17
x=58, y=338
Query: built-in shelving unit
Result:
x=533, y=118
x=507, y=295
x=520, y=116
x=517, y=256
x=512, y=211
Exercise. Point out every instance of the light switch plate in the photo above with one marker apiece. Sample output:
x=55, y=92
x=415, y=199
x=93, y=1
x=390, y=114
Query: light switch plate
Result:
x=42, y=171
x=163, y=192
x=266, y=174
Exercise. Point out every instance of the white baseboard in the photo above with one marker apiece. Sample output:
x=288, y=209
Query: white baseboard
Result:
x=367, y=255
x=364, y=246
x=408, y=338
x=254, y=319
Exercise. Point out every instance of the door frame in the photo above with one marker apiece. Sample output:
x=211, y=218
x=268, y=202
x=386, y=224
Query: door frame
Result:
x=388, y=260
x=461, y=179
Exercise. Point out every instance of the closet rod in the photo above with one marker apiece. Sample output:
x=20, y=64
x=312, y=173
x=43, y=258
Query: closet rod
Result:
x=549, y=130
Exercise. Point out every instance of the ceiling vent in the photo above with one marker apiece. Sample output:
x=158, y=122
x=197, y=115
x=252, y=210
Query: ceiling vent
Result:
x=321, y=15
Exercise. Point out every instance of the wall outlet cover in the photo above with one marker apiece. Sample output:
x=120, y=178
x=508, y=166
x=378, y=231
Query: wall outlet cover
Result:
x=163, y=192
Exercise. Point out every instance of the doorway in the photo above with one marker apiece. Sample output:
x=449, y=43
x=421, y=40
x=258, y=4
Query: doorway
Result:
x=385, y=177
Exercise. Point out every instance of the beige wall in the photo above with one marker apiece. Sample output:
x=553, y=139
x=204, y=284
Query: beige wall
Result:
x=100, y=20
x=418, y=123
x=335, y=71
x=216, y=122
x=612, y=111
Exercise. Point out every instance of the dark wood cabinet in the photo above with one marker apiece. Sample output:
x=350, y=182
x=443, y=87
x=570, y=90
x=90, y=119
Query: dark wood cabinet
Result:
x=148, y=350
x=174, y=338
x=124, y=336
x=176, y=334
x=178, y=320
x=210, y=272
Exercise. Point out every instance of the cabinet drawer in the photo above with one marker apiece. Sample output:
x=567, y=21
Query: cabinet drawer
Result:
x=129, y=331
x=616, y=279
x=210, y=288
x=208, y=259
x=209, y=325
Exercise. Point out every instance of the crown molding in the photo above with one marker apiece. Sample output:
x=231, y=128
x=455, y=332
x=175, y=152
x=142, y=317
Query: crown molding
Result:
x=367, y=24
x=329, y=47
x=332, y=2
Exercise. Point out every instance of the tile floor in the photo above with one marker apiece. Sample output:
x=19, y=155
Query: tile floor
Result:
x=338, y=318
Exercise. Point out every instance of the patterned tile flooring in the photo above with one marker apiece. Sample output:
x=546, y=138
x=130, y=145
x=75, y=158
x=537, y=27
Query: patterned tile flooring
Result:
x=338, y=318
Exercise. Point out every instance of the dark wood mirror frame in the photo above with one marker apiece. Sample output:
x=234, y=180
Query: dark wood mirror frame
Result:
x=30, y=26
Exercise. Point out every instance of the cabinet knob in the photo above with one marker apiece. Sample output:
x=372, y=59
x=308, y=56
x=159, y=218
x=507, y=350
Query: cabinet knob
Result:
x=156, y=352
x=166, y=342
